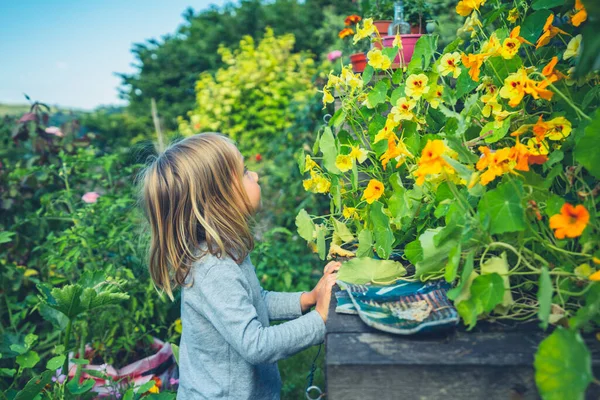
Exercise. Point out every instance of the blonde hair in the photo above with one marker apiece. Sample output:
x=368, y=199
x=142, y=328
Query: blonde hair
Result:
x=191, y=193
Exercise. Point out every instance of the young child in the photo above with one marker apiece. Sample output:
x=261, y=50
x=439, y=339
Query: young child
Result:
x=199, y=198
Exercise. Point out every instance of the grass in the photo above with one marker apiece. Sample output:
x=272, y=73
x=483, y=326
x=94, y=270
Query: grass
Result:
x=13, y=109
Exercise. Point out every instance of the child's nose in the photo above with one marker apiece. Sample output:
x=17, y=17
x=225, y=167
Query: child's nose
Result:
x=255, y=176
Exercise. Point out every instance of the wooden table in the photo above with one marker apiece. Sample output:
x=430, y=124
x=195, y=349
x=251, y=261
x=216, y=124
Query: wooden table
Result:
x=491, y=362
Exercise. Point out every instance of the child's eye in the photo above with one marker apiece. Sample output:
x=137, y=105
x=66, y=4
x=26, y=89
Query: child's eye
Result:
x=245, y=170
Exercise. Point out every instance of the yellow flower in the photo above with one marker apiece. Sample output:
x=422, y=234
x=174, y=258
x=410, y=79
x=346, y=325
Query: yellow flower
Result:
x=317, y=183
x=580, y=15
x=491, y=104
x=416, y=86
x=388, y=129
x=397, y=42
x=367, y=30
x=465, y=7
x=449, y=64
x=154, y=389
x=573, y=47
x=358, y=154
x=327, y=97
x=492, y=46
x=434, y=97
x=558, y=128
x=402, y=109
x=513, y=15
x=396, y=151
x=537, y=147
x=322, y=185
x=514, y=87
x=349, y=212
x=378, y=60
x=510, y=47
x=497, y=163
x=431, y=161
x=309, y=163
x=373, y=191
x=343, y=162
x=351, y=79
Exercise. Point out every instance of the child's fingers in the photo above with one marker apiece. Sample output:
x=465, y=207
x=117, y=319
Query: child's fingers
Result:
x=332, y=266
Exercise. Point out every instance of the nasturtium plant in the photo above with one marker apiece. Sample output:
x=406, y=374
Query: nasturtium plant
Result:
x=477, y=163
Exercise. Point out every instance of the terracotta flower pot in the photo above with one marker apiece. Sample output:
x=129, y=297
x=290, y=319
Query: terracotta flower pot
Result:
x=408, y=46
x=382, y=26
x=359, y=62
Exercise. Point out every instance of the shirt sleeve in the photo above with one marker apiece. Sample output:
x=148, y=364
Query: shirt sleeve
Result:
x=226, y=302
x=282, y=305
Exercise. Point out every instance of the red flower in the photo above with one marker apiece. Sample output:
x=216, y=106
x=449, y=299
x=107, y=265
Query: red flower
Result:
x=352, y=19
x=258, y=157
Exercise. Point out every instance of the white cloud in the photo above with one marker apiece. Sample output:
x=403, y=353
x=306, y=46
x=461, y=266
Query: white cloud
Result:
x=62, y=65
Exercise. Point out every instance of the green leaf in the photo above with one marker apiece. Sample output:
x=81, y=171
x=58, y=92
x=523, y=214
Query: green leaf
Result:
x=563, y=366
x=329, y=149
x=499, y=265
x=424, y=50
x=586, y=152
x=306, y=227
x=128, y=394
x=365, y=244
x=531, y=29
x=378, y=94
x=28, y=360
x=413, y=252
x=434, y=258
x=384, y=237
x=489, y=290
x=367, y=74
x=464, y=84
x=5, y=237
x=396, y=94
x=589, y=59
x=175, y=349
x=55, y=362
x=75, y=388
x=342, y=231
x=145, y=387
x=7, y=372
x=495, y=133
x=591, y=309
x=79, y=361
x=464, y=276
x=545, y=4
x=469, y=310
x=452, y=264
x=337, y=119
x=321, y=242
x=503, y=206
x=362, y=270
x=502, y=68
x=544, y=296
x=35, y=386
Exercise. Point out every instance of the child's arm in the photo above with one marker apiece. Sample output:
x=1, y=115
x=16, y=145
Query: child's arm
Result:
x=287, y=305
x=224, y=299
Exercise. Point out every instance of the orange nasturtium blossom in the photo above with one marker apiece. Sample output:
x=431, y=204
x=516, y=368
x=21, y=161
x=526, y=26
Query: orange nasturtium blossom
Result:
x=431, y=161
x=474, y=63
x=549, y=71
x=373, y=191
x=580, y=14
x=497, y=163
x=345, y=32
x=397, y=151
x=352, y=19
x=570, y=222
x=523, y=158
x=595, y=276
x=549, y=32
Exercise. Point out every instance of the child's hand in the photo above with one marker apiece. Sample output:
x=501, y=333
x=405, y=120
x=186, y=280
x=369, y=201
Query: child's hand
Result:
x=308, y=300
x=322, y=292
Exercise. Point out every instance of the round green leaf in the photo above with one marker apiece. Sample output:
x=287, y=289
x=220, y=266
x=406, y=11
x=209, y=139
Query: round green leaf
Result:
x=586, y=149
x=361, y=270
x=503, y=207
x=305, y=225
x=563, y=366
x=55, y=363
x=28, y=360
x=489, y=290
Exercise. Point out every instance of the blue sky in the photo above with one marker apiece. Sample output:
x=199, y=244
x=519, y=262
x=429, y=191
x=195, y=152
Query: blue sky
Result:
x=64, y=52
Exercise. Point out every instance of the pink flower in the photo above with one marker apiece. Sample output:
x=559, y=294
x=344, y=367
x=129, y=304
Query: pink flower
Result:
x=59, y=376
x=90, y=197
x=334, y=55
x=174, y=381
x=53, y=130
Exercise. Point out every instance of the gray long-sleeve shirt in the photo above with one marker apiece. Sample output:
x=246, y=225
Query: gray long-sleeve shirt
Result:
x=228, y=350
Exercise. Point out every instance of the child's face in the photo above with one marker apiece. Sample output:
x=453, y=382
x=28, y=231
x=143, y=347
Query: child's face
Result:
x=250, y=182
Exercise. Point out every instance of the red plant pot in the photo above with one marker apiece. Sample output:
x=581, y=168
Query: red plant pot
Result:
x=359, y=62
x=408, y=46
x=382, y=26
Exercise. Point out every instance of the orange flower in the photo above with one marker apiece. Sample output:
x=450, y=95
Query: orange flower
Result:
x=352, y=19
x=373, y=191
x=550, y=72
x=580, y=15
x=570, y=222
x=396, y=151
x=474, y=63
x=345, y=32
x=431, y=161
x=523, y=158
x=549, y=32
x=497, y=163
